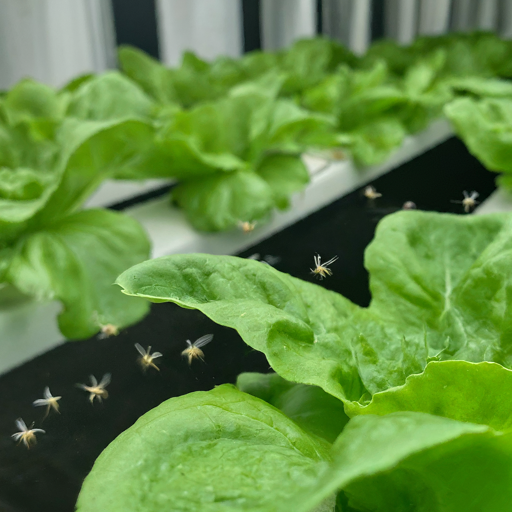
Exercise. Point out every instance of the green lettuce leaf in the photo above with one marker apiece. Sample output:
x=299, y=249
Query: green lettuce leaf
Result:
x=299, y=326
x=196, y=80
x=309, y=406
x=397, y=56
x=425, y=92
x=285, y=174
x=482, y=87
x=29, y=174
x=193, y=82
x=244, y=127
x=308, y=61
x=463, y=391
x=94, y=151
x=414, y=461
x=373, y=142
x=365, y=104
x=109, y=96
x=77, y=82
x=148, y=73
x=485, y=126
x=225, y=449
x=44, y=179
x=439, y=291
x=217, y=203
x=468, y=54
x=211, y=451
x=355, y=97
x=29, y=100
x=76, y=260
x=236, y=158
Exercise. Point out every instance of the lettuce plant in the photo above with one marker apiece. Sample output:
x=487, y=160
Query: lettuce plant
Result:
x=235, y=159
x=231, y=131
x=49, y=164
x=485, y=126
x=302, y=65
x=398, y=406
x=393, y=91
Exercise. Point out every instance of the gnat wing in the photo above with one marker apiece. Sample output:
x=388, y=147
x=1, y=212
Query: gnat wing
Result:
x=17, y=436
x=40, y=401
x=203, y=340
x=21, y=425
x=94, y=382
x=140, y=349
x=154, y=355
x=46, y=392
x=105, y=381
x=332, y=260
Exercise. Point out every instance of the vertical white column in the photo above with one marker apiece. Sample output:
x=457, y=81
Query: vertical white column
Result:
x=285, y=21
x=53, y=40
x=22, y=41
x=401, y=19
x=208, y=27
x=463, y=15
x=348, y=21
x=487, y=14
x=336, y=19
x=434, y=17
x=103, y=36
x=505, y=19
x=360, y=26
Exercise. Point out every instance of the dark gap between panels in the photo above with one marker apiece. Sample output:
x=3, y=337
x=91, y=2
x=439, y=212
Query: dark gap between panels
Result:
x=48, y=477
x=142, y=198
x=135, y=24
x=251, y=22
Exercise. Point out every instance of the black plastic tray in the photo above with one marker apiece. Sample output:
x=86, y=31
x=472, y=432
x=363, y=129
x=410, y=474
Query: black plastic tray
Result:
x=48, y=477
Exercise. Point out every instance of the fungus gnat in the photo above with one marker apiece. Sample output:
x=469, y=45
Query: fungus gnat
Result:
x=26, y=435
x=95, y=389
x=409, y=205
x=268, y=258
x=371, y=193
x=338, y=154
x=194, y=349
x=146, y=359
x=108, y=330
x=246, y=226
x=49, y=401
x=322, y=270
x=469, y=201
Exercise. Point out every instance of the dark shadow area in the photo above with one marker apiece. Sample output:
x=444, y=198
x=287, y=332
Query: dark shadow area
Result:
x=135, y=23
x=251, y=22
x=377, y=20
x=48, y=477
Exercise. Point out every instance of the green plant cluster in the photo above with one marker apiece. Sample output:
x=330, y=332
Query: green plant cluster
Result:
x=231, y=132
x=50, y=162
x=215, y=112
x=398, y=407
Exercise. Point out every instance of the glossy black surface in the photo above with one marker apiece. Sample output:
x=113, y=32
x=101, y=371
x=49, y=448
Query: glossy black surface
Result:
x=47, y=478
